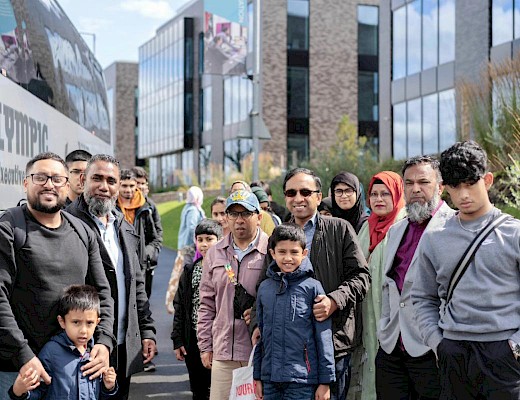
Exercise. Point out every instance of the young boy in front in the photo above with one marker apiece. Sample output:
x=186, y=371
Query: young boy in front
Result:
x=294, y=358
x=64, y=354
x=186, y=304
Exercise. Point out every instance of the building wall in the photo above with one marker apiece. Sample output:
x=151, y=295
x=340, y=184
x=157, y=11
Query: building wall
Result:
x=333, y=68
x=122, y=77
x=274, y=77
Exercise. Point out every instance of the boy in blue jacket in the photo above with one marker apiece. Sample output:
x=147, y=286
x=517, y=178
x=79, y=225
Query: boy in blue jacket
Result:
x=64, y=354
x=295, y=355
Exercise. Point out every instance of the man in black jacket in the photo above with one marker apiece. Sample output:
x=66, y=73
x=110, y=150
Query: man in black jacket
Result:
x=41, y=253
x=338, y=263
x=118, y=243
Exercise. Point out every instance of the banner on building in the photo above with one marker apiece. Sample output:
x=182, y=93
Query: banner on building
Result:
x=225, y=37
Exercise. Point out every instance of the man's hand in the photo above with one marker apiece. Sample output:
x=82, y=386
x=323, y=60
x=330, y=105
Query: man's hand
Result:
x=259, y=391
x=180, y=353
x=247, y=316
x=30, y=380
x=255, y=337
x=322, y=393
x=99, y=362
x=37, y=367
x=207, y=359
x=149, y=350
x=109, y=379
x=323, y=307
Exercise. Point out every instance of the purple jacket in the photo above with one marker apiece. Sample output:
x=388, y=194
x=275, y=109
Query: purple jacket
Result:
x=217, y=330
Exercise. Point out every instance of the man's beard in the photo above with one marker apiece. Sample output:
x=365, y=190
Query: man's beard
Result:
x=418, y=212
x=99, y=207
x=37, y=205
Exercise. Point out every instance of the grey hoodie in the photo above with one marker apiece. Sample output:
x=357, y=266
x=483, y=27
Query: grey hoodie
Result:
x=486, y=303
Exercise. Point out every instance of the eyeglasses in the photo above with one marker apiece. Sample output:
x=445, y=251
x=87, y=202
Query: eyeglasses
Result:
x=383, y=195
x=243, y=214
x=77, y=171
x=41, y=179
x=303, y=192
x=343, y=192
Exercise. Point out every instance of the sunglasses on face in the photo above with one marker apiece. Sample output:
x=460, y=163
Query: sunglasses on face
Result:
x=303, y=192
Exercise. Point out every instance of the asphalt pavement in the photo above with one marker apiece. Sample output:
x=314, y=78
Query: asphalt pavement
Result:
x=170, y=380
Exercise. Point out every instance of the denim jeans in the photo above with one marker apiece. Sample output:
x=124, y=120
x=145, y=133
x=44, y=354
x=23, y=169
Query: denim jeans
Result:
x=288, y=391
x=339, y=389
x=6, y=381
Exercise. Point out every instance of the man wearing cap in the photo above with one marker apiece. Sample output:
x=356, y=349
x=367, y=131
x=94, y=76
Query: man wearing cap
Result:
x=265, y=204
x=230, y=272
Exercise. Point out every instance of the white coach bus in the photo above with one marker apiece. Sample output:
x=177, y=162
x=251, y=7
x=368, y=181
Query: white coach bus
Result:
x=52, y=91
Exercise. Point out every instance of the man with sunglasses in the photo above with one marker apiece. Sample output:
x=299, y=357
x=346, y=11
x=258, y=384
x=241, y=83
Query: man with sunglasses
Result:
x=43, y=250
x=230, y=272
x=338, y=264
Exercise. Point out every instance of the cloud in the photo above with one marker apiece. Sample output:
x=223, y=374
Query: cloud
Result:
x=92, y=24
x=157, y=9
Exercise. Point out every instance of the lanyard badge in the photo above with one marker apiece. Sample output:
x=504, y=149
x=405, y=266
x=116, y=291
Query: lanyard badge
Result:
x=231, y=274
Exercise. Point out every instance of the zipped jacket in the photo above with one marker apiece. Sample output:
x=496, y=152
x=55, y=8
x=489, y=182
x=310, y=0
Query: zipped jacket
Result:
x=294, y=346
x=217, y=329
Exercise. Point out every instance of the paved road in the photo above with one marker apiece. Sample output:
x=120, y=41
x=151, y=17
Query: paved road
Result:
x=170, y=380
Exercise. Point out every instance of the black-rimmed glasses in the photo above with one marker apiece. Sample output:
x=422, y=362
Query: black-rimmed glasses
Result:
x=303, y=192
x=41, y=179
x=343, y=192
x=236, y=214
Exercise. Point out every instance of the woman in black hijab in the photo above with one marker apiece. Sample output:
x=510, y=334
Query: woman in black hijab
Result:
x=347, y=202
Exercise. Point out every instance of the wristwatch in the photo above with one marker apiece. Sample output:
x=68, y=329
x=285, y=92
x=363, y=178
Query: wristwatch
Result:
x=515, y=347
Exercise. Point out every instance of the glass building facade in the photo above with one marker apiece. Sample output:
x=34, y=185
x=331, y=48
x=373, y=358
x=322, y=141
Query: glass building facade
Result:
x=166, y=102
x=297, y=80
x=423, y=40
x=368, y=72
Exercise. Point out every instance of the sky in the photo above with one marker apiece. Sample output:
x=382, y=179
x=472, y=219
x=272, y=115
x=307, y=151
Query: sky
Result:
x=119, y=26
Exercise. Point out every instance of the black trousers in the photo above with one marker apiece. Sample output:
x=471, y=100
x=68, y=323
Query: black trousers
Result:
x=478, y=370
x=123, y=382
x=200, y=377
x=400, y=376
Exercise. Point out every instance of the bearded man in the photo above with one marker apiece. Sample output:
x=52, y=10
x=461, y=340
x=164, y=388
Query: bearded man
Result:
x=405, y=367
x=133, y=325
x=55, y=250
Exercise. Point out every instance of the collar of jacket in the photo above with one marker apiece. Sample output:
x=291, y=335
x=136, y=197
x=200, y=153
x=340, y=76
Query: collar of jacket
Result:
x=227, y=241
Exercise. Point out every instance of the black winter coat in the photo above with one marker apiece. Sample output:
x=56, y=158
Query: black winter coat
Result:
x=140, y=324
x=183, y=305
x=339, y=264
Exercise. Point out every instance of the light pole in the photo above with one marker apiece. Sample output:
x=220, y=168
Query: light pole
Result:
x=256, y=113
x=93, y=40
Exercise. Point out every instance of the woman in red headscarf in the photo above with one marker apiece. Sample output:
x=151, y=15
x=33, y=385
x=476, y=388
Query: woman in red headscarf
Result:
x=386, y=200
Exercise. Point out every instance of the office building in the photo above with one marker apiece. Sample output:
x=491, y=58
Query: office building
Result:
x=121, y=80
x=319, y=62
x=429, y=47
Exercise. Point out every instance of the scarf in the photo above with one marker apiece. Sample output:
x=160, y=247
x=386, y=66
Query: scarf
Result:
x=356, y=215
x=379, y=226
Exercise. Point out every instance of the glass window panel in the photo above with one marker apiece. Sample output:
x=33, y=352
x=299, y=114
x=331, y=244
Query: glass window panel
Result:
x=446, y=31
x=502, y=21
x=517, y=19
x=430, y=23
x=298, y=24
x=430, y=124
x=367, y=96
x=235, y=106
x=297, y=149
x=399, y=43
x=413, y=29
x=399, y=128
x=447, y=119
x=297, y=92
x=368, y=30
x=414, y=129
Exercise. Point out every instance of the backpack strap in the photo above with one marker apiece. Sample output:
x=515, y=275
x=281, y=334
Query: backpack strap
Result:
x=79, y=226
x=19, y=226
x=466, y=258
